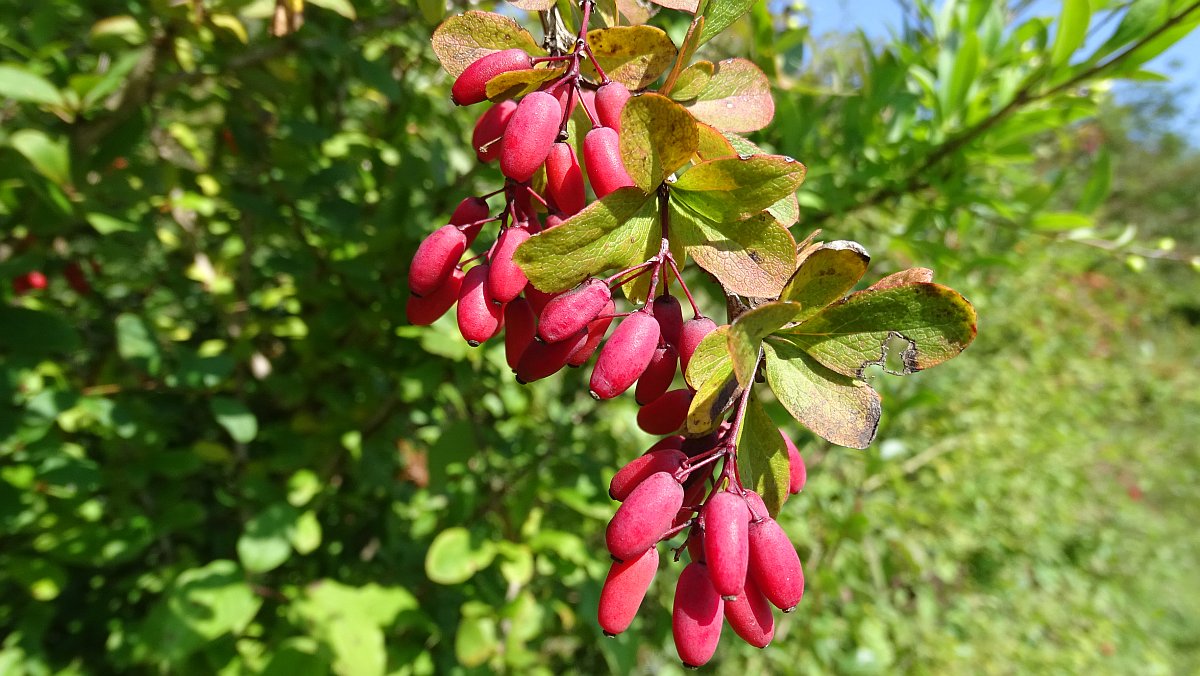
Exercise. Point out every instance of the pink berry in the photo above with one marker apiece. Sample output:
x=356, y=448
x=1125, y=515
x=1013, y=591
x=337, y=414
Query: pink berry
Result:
x=478, y=317
x=672, y=442
x=696, y=616
x=531, y=132
x=625, y=356
x=775, y=565
x=726, y=547
x=750, y=617
x=610, y=102
x=667, y=413
x=437, y=255
x=602, y=155
x=633, y=474
x=595, y=330
x=667, y=311
x=423, y=311
x=624, y=589
x=538, y=298
x=796, y=469
x=542, y=360
x=490, y=129
x=520, y=324
x=564, y=179
x=690, y=335
x=505, y=280
x=658, y=375
x=644, y=517
x=468, y=216
x=471, y=85
x=569, y=313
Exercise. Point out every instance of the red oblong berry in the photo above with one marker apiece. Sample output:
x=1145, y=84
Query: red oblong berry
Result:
x=675, y=441
x=490, y=129
x=726, y=544
x=520, y=325
x=696, y=616
x=564, y=179
x=531, y=132
x=758, y=508
x=696, y=445
x=695, y=545
x=623, y=591
x=561, y=90
x=542, y=360
x=554, y=220
x=610, y=101
x=690, y=335
x=658, y=375
x=425, y=310
x=633, y=474
x=667, y=311
x=595, y=330
x=436, y=256
x=478, y=317
x=775, y=565
x=625, y=356
x=469, y=216
x=76, y=279
x=797, y=472
x=538, y=298
x=471, y=85
x=644, y=517
x=602, y=156
x=569, y=313
x=667, y=413
x=505, y=279
x=750, y=617
x=693, y=494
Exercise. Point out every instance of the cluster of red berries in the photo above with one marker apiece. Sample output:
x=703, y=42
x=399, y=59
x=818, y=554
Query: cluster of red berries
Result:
x=741, y=560
x=36, y=280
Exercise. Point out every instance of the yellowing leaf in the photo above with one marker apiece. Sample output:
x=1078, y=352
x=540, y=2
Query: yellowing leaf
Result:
x=461, y=40
x=752, y=257
x=825, y=276
x=762, y=457
x=657, y=137
x=736, y=98
x=835, y=407
x=635, y=56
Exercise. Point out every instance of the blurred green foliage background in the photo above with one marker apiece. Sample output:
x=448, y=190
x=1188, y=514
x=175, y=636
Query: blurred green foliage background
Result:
x=225, y=452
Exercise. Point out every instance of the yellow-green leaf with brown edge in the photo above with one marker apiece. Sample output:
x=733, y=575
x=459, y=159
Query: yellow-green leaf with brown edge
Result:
x=752, y=257
x=657, y=137
x=826, y=275
x=710, y=355
x=517, y=83
x=692, y=80
x=835, y=407
x=746, y=334
x=713, y=398
x=464, y=39
x=635, y=56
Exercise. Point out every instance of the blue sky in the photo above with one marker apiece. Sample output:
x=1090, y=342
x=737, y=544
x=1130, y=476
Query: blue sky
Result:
x=876, y=17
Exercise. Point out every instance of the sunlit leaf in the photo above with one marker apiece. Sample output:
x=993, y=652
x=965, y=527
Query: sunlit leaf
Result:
x=838, y=408
x=462, y=40
x=736, y=98
x=657, y=137
x=762, y=457
x=635, y=56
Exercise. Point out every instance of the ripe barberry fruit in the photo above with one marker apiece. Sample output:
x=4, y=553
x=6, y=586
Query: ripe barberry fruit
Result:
x=595, y=330
x=726, y=543
x=667, y=413
x=478, y=317
x=674, y=441
x=658, y=375
x=538, y=298
x=531, y=132
x=623, y=591
x=542, y=360
x=423, y=311
x=625, y=356
x=750, y=617
x=569, y=313
x=693, y=493
x=561, y=90
x=610, y=102
x=564, y=179
x=468, y=215
x=76, y=279
x=797, y=472
x=602, y=156
x=470, y=87
x=631, y=475
x=30, y=281
x=554, y=220
x=775, y=565
x=506, y=280
x=437, y=255
x=696, y=616
x=758, y=508
x=693, y=331
x=644, y=517
x=490, y=129
x=667, y=311
x=520, y=325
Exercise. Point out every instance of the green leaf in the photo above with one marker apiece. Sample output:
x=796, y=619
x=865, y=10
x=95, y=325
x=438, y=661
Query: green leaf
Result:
x=713, y=144
x=837, y=408
x=19, y=84
x=747, y=332
x=762, y=457
x=736, y=98
x=107, y=225
x=464, y=39
x=1072, y=30
x=358, y=646
x=734, y=188
x=786, y=210
x=719, y=14
x=342, y=7
x=202, y=605
x=49, y=157
x=305, y=534
x=609, y=233
x=712, y=399
x=692, y=80
x=236, y=418
x=752, y=257
x=711, y=355
x=657, y=137
x=635, y=56
x=1099, y=183
x=826, y=275
x=265, y=544
x=935, y=321
x=1061, y=220
x=962, y=75
x=456, y=555
x=135, y=343
x=33, y=332
x=476, y=640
